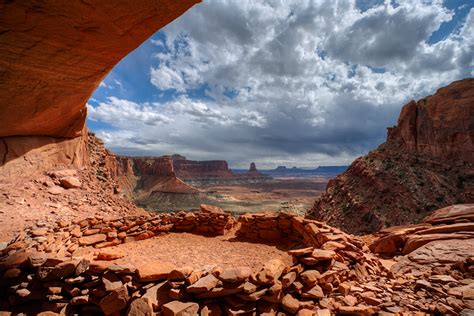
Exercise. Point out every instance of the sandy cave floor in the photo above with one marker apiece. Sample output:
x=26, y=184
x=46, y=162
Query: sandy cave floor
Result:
x=185, y=249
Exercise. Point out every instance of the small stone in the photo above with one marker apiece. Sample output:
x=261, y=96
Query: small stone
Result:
x=155, y=271
x=39, y=232
x=111, y=281
x=310, y=277
x=344, y=288
x=315, y=292
x=204, y=284
x=92, y=239
x=12, y=273
x=290, y=304
x=108, y=255
x=139, y=307
x=23, y=292
x=233, y=275
x=350, y=300
x=70, y=182
x=271, y=271
x=177, y=308
x=80, y=300
x=288, y=279
x=320, y=254
x=115, y=301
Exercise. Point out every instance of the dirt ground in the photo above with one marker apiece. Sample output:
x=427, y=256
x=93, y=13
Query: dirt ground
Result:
x=184, y=249
x=296, y=194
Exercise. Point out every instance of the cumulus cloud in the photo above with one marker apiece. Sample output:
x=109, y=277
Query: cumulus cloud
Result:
x=124, y=113
x=313, y=82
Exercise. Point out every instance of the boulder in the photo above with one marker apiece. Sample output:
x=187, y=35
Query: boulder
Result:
x=451, y=214
x=416, y=241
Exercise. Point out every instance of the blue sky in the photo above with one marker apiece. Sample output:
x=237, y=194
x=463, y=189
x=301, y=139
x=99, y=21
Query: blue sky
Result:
x=302, y=83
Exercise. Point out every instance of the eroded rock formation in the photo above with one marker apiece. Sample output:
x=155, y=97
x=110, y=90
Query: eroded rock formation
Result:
x=192, y=170
x=438, y=126
x=253, y=172
x=53, y=56
x=426, y=163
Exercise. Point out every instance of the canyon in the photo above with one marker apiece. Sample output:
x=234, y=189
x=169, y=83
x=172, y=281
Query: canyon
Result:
x=72, y=242
x=426, y=163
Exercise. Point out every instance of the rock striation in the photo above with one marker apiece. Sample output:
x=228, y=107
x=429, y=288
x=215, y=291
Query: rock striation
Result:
x=150, y=175
x=439, y=126
x=195, y=170
x=426, y=163
x=54, y=55
x=454, y=222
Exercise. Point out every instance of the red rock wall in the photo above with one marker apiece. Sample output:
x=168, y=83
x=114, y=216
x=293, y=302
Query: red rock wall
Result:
x=190, y=169
x=156, y=166
x=426, y=163
x=440, y=126
x=54, y=54
x=21, y=155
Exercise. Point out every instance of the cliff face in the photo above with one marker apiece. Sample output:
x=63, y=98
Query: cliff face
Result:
x=439, y=126
x=53, y=56
x=426, y=163
x=190, y=169
x=143, y=176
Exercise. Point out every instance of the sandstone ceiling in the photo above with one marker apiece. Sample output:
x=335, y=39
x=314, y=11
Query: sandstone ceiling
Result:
x=53, y=55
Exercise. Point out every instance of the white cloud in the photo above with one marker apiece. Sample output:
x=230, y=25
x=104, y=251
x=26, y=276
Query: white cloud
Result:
x=313, y=79
x=125, y=114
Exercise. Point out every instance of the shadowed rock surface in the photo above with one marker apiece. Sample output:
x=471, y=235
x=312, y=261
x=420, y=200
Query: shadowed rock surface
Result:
x=426, y=163
x=54, y=56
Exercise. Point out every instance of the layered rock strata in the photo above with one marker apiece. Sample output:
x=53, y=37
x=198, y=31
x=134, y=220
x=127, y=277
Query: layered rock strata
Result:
x=193, y=170
x=54, y=55
x=451, y=223
x=426, y=163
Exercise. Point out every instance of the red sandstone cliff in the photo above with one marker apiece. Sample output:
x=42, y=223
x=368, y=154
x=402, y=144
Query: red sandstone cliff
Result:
x=190, y=169
x=142, y=176
x=53, y=56
x=426, y=163
x=438, y=126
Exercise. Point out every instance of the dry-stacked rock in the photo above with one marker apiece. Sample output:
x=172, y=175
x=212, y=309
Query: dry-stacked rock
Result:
x=332, y=273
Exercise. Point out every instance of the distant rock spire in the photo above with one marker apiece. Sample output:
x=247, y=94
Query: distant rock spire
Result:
x=252, y=167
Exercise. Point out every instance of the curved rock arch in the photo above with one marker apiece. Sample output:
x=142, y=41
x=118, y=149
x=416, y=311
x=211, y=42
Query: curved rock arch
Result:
x=54, y=54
